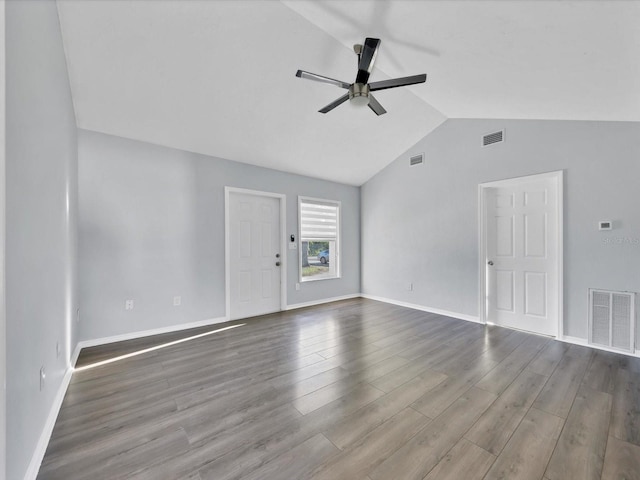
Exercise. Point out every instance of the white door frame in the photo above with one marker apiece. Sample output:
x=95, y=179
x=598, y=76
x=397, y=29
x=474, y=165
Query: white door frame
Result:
x=227, y=244
x=482, y=297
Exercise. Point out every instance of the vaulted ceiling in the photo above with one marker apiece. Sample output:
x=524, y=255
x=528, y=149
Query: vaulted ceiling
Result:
x=218, y=77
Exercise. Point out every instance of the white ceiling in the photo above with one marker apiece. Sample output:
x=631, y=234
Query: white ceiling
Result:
x=218, y=77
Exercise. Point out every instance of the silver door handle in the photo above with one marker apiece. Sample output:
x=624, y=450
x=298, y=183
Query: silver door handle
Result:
x=490, y=263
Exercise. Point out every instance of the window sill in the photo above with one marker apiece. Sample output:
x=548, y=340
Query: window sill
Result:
x=309, y=279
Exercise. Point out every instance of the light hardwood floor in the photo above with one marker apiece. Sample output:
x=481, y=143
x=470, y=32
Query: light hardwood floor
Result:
x=350, y=390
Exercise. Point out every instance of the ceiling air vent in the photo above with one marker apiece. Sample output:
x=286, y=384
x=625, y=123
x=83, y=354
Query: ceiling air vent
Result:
x=416, y=160
x=492, y=138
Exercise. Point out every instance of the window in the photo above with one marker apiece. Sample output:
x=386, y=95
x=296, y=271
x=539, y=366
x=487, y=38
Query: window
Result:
x=319, y=238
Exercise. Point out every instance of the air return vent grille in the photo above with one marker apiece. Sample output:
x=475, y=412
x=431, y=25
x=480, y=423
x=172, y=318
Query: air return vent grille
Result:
x=416, y=160
x=493, y=138
x=612, y=319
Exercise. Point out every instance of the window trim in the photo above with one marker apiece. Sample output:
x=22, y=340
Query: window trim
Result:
x=302, y=199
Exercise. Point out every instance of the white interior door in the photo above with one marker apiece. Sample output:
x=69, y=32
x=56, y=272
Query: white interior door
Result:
x=254, y=254
x=522, y=252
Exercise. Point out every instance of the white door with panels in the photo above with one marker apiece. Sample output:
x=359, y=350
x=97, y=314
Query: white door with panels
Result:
x=254, y=254
x=522, y=252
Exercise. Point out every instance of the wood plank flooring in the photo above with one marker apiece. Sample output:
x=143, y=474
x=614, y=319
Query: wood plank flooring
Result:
x=355, y=389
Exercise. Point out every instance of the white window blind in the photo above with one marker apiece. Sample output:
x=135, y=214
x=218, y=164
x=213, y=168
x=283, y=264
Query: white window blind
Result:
x=318, y=220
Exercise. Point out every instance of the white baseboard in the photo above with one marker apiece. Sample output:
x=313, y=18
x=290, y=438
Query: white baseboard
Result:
x=75, y=355
x=146, y=333
x=446, y=313
x=584, y=342
x=45, y=436
x=320, y=302
x=574, y=340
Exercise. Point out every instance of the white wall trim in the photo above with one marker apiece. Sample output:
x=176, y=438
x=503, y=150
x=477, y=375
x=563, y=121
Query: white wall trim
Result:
x=583, y=342
x=446, y=313
x=482, y=280
x=320, y=302
x=75, y=355
x=147, y=333
x=575, y=340
x=45, y=436
x=283, y=244
x=558, y=176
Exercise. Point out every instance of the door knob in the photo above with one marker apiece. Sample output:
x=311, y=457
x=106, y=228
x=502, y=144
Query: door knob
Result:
x=490, y=262
x=277, y=255
x=277, y=264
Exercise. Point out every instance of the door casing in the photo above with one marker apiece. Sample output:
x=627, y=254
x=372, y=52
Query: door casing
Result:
x=558, y=178
x=227, y=245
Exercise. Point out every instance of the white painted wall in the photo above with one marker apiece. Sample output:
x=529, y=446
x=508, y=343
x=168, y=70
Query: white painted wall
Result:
x=420, y=224
x=152, y=227
x=41, y=164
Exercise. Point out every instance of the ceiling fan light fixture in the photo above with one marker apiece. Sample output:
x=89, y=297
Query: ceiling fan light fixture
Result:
x=361, y=101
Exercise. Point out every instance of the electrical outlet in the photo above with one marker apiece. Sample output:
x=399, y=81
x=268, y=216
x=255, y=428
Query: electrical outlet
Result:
x=128, y=304
x=77, y=315
x=177, y=301
x=43, y=375
x=410, y=287
x=297, y=286
x=58, y=350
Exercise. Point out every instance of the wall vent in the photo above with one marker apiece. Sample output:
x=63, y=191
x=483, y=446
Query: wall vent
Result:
x=612, y=319
x=493, y=138
x=416, y=160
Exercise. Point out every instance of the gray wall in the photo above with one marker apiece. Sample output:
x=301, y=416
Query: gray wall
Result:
x=152, y=226
x=420, y=224
x=41, y=165
x=3, y=330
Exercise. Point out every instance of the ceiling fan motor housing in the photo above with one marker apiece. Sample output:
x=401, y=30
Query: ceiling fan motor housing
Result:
x=359, y=94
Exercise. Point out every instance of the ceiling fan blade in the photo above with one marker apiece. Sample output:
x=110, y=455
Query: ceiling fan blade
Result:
x=375, y=106
x=367, y=57
x=397, y=82
x=335, y=103
x=322, y=78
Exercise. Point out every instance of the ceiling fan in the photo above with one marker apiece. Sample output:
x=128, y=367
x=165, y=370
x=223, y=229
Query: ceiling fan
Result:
x=359, y=92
